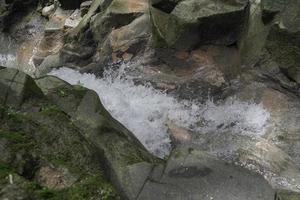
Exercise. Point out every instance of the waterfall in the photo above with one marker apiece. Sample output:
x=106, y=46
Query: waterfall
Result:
x=146, y=111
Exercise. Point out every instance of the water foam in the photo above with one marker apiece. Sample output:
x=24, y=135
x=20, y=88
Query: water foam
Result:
x=7, y=60
x=146, y=111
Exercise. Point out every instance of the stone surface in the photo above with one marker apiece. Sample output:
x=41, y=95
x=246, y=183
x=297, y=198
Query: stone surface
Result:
x=190, y=23
x=193, y=174
x=193, y=50
x=272, y=7
x=118, y=13
x=48, y=10
x=73, y=20
x=255, y=32
x=57, y=20
x=16, y=87
x=39, y=143
x=283, y=41
x=119, y=148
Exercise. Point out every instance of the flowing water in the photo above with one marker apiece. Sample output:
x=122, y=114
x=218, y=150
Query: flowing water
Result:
x=146, y=111
x=18, y=48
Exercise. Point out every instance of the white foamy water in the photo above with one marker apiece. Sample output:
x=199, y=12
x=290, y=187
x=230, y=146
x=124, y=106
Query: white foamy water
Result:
x=145, y=111
x=7, y=60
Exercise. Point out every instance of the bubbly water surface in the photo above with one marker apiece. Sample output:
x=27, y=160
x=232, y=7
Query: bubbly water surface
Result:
x=146, y=111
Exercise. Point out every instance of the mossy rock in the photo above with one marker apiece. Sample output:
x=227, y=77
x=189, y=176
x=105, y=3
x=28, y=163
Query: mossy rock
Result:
x=46, y=136
x=17, y=87
x=287, y=195
x=283, y=41
x=192, y=23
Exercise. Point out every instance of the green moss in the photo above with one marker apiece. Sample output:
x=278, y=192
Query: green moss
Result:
x=133, y=158
x=13, y=115
x=18, y=140
x=4, y=170
x=287, y=195
x=39, y=192
x=51, y=110
x=61, y=159
x=90, y=187
x=77, y=91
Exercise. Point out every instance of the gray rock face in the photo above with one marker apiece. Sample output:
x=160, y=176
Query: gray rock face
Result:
x=188, y=173
x=272, y=7
x=127, y=162
x=192, y=174
x=194, y=23
x=42, y=150
x=283, y=41
x=15, y=87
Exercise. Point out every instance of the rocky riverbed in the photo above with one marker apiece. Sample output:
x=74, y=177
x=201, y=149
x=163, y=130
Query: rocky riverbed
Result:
x=159, y=99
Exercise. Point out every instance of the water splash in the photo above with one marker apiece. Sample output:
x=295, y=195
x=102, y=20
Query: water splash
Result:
x=7, y=60
x=145, y=111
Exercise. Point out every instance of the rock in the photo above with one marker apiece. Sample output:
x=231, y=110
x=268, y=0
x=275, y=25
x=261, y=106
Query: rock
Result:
x=283, y=42
x=39, y=142
x=73, y=20
x=193, y=174
x=57, y=20
x=13, y=192
x=255, y=31
x=120, y=21
x=77, y=54
x=54, y=178
x=272, y=7
x=189, y=24
x=127, y=42
x=119, y=13
x=96, y=5
x=125, y=167
x=50, y=62
x=48, y=10
x=16, y=87
x=48, y=83
x=84, y=7
x=286, y=195
x=178, y=134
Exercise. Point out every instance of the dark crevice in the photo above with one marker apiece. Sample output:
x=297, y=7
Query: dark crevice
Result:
x=70, y=5
x=165, y=6
x=30, y=168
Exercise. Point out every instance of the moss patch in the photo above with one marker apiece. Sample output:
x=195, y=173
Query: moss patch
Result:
x=18, y=140
x=77, y=91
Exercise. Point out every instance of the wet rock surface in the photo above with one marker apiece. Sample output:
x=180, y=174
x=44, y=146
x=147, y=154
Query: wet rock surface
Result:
x=58, y=140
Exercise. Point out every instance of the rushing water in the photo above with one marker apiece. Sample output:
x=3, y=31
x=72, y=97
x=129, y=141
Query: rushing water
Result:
x=146, y=111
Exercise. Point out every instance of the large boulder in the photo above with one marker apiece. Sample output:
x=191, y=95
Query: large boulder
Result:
x=125, y=158
x=16, y=87
x=255, y=32
x=283, y=42
x=43, y=154
x=118, y=13
x=272, y=7
x=193, y=174
x=191, y=23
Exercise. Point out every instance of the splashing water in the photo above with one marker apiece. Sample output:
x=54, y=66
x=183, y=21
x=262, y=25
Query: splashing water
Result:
x=145, y=111
x=7, y=60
